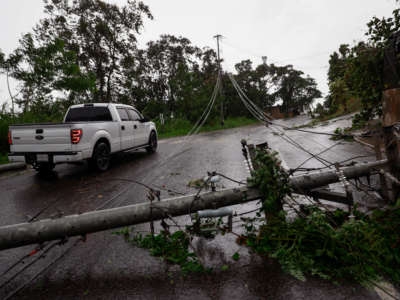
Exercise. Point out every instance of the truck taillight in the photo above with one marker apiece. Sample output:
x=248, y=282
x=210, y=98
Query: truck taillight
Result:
x=9, y=138
x=76, y=135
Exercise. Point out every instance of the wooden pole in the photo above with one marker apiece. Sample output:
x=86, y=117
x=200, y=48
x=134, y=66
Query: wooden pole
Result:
x=391, y=135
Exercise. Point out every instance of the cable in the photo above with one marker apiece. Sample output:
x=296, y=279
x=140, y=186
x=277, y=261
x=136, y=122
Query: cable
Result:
x=147, y=186
x=231, y=179
x=341, y=162
x=104, y=204
x=248, y=212
x=37, y=249
x=323, y=151
x=196, y=197
x=41, y=271
x=318, y=132
x=283, y=136
x=21, y=260
x=208, y=107
x=258, y=114
x=194, y=130
x=30, y=264
x=297, y=145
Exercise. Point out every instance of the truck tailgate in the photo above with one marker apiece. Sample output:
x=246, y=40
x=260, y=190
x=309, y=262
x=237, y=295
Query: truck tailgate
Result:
x=41, y=138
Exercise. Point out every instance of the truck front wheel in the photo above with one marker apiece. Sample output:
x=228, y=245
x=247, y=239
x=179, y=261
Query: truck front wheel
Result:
x=101, y=157
x=152, y=143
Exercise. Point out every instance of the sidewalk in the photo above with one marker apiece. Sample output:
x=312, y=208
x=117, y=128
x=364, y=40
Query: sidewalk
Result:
x=12, y=166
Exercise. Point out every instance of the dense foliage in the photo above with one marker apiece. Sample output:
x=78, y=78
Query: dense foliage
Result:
x=86, y=51
x=357, y=72
x=330, y=245
x=272, y=181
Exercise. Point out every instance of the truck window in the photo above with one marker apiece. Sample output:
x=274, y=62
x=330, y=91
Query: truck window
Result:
x=133, y=115
x=123, y=114
x=88, y=113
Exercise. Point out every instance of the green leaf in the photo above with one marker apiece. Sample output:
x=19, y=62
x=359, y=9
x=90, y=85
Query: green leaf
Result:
x=235, y=256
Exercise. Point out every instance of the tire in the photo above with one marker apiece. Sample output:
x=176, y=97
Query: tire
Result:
x=44, y=168
x=152, y=148
x=100, y=160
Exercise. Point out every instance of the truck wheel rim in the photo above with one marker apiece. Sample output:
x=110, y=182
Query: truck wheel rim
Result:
x=153, y=141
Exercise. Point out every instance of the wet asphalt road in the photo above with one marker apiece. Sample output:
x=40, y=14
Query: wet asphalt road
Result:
x=106, y=267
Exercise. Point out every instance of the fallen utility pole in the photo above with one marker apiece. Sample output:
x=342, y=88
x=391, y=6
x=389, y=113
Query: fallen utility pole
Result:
x=13, y=236
x=315, y=180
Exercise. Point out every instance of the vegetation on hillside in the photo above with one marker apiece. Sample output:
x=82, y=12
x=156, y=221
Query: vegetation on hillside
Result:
x=356, y=72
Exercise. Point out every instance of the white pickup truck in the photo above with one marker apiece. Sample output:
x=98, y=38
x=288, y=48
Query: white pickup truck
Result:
x=89, y=132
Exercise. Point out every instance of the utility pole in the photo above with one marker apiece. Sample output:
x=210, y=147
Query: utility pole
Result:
x=218, y=37
x=264, y=59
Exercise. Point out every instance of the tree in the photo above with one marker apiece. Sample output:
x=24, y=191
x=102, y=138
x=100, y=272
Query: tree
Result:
x=337, y=63
x=43, y=70
x=296, y=91
x=80, y=48
x=358, y=71
x=339, y=93
x=259, y=84
x=2, y=59
x=319, y=109
x=170, y=60
x=364, y=77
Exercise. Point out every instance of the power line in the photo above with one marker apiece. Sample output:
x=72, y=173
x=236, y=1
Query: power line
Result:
x=258, y=114
x=42, y=270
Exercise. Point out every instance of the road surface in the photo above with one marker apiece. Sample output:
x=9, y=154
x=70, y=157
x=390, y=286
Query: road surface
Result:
x=106, y=267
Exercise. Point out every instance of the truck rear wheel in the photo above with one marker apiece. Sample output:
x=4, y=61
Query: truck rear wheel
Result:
x=44, y=167
x=101, y=157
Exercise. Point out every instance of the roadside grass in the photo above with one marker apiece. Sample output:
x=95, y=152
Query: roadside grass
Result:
x=180, y=127
x=3, y=158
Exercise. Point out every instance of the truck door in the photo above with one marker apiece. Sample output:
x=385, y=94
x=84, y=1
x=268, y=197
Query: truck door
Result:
x=140, y=132
x=126, y=129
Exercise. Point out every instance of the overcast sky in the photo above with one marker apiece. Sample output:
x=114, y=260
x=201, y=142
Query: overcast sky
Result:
x=298, y=32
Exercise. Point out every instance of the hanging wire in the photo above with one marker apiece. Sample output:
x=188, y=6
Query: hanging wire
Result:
x=16, y=291
x=258, y=114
